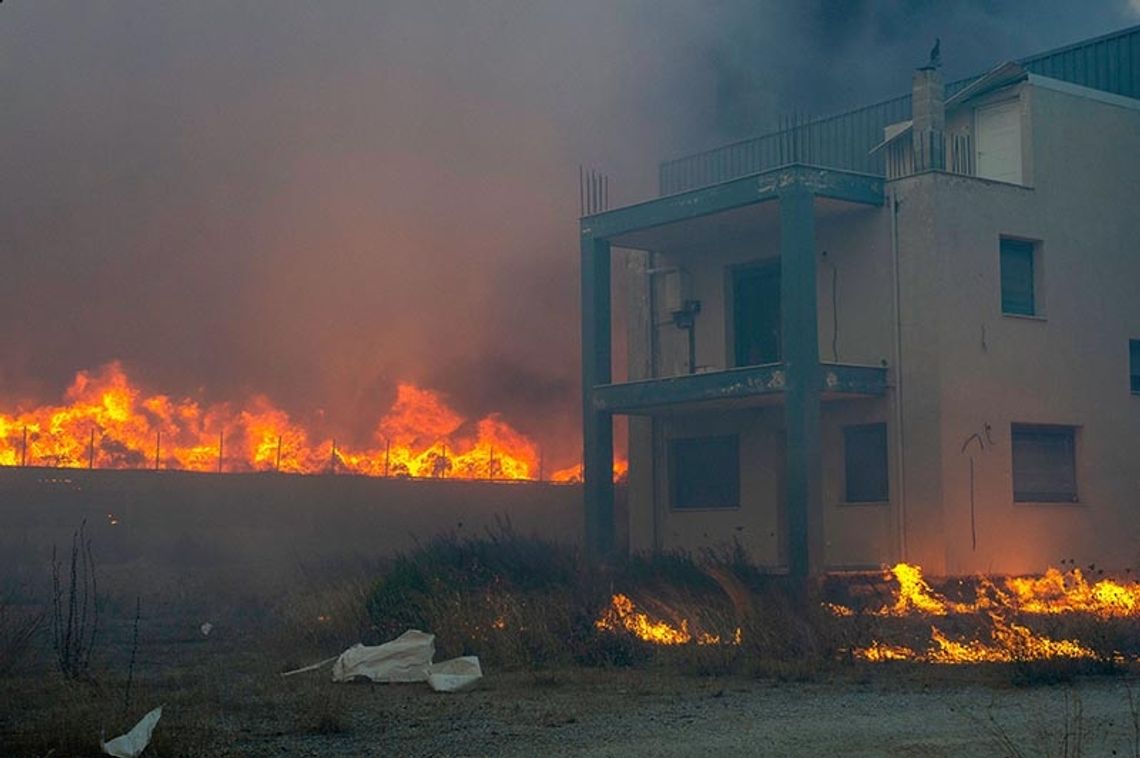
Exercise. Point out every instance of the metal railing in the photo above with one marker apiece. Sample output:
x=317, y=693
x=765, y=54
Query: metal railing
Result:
x=952, y=153
x=844, y=141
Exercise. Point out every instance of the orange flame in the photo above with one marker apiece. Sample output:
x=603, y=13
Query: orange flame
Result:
x=1054, y=593
x=623, y=614
x=106, y=421
x=574, y=474
x=1069, y=592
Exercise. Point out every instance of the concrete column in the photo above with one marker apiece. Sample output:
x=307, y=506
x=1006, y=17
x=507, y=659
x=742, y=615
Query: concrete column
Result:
x=597, y=428
x=800, y=350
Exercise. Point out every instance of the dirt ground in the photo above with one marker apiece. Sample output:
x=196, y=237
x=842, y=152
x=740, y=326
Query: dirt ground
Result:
x=223, y=695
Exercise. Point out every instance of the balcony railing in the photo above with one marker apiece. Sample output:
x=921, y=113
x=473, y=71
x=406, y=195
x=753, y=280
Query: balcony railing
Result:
x=844, y=141
x=839, y=142
x=952, y=153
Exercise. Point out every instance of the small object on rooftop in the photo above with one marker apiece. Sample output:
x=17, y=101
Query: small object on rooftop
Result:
x=935, y=54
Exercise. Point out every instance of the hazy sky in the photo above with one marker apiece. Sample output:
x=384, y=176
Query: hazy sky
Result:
x=317, y=199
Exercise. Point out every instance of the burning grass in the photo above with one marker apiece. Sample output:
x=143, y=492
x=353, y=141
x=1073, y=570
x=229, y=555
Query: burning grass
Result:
x=525, y=603
x=1019, y=620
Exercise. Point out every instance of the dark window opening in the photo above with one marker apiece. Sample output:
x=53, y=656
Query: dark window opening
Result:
x=1134, y=365
x=705, y=472
x=1044, y=464
x=865, y=463
x=1017, y=283
x=756, y=315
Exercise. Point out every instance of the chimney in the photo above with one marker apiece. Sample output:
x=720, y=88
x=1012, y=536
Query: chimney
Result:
x=929, y=112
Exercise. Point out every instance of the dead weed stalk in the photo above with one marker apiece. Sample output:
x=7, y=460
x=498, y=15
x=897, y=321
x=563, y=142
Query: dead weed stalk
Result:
x=75, y=608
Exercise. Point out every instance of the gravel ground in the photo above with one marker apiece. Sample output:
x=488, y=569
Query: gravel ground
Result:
x=223, y=696
x=629, y=713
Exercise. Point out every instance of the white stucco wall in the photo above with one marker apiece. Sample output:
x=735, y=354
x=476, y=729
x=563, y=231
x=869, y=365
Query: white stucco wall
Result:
x=1068, y=367
x=966, y=369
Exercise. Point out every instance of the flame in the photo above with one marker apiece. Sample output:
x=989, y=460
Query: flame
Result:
x=622, y=614
x=878, y=651
x=107, y=421
x=997, y=603
x=1010, y=642
x=915, y=595
x=574, y=474
x=1054, y=592
x=1069, y=592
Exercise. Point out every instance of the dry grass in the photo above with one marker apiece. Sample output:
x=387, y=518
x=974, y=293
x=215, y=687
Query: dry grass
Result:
x=1063, y=731
x=222, y=694
x=19, y=624
x=523, y=603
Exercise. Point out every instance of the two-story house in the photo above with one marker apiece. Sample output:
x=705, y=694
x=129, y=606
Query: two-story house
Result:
x=906, y=332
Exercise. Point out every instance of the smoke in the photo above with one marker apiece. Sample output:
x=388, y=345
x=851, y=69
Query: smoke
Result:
x=317, y=200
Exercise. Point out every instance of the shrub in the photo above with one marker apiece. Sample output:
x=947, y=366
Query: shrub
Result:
x=524, y=602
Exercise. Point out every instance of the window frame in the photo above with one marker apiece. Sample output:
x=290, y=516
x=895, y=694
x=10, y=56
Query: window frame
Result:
x=766, y=267
x=1044, y=430
x=1134, y=366
x=1011, y=244
x=878, y=427
x=674, y=472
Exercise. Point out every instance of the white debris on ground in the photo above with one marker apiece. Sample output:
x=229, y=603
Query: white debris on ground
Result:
x=134, y=742
x=206, y=628
x=455, y=675
x=405, y=659
x=408, y=658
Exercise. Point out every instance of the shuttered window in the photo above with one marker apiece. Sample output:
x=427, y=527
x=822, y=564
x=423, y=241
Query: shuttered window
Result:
x=1134, y=364
x=1044, y=464
x=1017, y=277
x=865, y=463
x=999, y=142
x=705, y=472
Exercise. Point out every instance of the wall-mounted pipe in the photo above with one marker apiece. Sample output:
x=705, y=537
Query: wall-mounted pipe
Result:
x=900, y=437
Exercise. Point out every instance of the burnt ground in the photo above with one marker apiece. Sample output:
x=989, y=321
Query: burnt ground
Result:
x=223, y=695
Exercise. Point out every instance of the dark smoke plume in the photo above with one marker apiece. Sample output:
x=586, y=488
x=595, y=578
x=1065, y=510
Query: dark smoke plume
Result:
x=316, y=200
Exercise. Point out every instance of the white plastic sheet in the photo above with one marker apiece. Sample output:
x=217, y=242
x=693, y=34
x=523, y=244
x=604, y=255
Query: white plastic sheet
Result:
x=405, y=659
x=455, y=675
x=134, y=742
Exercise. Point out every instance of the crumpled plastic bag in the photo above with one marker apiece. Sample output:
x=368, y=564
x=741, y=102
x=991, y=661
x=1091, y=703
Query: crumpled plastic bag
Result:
x=405, y=659
x=134, y=742
x=455, y=675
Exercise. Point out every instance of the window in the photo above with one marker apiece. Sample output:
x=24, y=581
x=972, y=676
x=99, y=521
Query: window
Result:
x=998, y=130
x=756, y=315
x=1017, y=277
x=1044, y=464
x=705, y=472
x=1134, y=365
x=865, y=463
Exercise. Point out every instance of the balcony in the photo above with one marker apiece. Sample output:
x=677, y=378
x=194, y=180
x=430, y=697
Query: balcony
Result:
x=949, y=153
x=738, y=387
